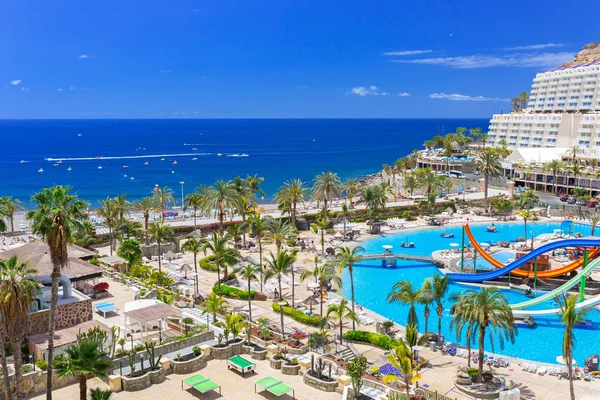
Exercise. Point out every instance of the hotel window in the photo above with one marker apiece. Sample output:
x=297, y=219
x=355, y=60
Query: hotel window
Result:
x=572, y=104
x=587, y=104
x=574, y=97
x=588, y=97
x=584, y=142
x=561, y=104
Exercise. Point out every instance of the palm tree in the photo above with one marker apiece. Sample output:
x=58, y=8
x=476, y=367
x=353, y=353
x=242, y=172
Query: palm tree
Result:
x=347, y=257
x=253, y=184
x=161, y=233
x=244, y=206
x=528, y=198
x=17, y=293
x=570, y=315
x=430, y=181
x=556, y=166
x=8, y=208
x=575, y=151
x=325, y=186
x=162, y=197
x=131, y=251
x=439, y=288
x=85, y=235
x=55, y=218
x=232, y=323
x=292, y=192
x=99, y=394
x=411, y=182
x=527, y=215
x=503, y=206
x=122, y=206
x=401, y=359
x=145, y=206
x=221, y=197
x=195, y=246
x=488, y=163
x=259, y=226
x=280, y=231
x=224, y=255
x=321, y=225
x=425, y=297
x=110, y=213
x=577, y=170
x=248, y=271
x=340, y=313
x=324, y=274
x=277, y=265
x=351, y=187
x=213, y=305
x=374, y=197
x=487, y=308
x=194, y=201
x=514, y=103
x=403, y=292
x=85, y=359
x=594, y=222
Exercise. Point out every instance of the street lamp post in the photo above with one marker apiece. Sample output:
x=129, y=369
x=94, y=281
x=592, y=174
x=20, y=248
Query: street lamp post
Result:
x=281, y=305
x=181, y=183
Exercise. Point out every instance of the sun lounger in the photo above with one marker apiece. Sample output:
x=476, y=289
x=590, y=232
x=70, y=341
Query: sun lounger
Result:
x=542, y=370
x=241, y=365
x=532, y=368
x=201, y=384
x=274, y=386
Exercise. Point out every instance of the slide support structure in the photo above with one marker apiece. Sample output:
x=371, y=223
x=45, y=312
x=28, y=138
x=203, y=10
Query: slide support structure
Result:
x=583, y=278
x=474, y=261
x=535, y=275
x=462, y=251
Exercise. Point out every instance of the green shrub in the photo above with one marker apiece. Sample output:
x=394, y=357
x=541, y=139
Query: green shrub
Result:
x=208, y=264
x=473, y=372
x=233, y=292
x=376, y=339
x=42, y=364
x=94, y=261
x=139, y=347
x=196, y=350
x=299, y=316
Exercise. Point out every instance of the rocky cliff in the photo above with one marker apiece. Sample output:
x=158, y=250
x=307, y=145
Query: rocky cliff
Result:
x=589, y=53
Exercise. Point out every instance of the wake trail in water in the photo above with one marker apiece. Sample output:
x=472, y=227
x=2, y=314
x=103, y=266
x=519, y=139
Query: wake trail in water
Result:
x=128, y=157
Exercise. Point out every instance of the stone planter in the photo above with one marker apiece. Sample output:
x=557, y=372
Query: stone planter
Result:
x=236, y=348
x=157, y=376
x=290, y=369
x=275, y=364
x=186, y=367
x=301, y=350
x=222, y=353
x=138, y=383
x=258, y=355
x=319, y=384
x=247, y=349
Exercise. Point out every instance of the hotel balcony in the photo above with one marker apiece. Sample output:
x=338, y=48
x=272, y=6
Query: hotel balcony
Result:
x=585, y=130
x=589, y=85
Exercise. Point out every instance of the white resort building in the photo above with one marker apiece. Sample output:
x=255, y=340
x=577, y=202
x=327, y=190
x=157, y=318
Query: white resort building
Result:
x=563, y=110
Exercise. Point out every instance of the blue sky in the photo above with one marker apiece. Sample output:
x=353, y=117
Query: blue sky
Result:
x=280, y=58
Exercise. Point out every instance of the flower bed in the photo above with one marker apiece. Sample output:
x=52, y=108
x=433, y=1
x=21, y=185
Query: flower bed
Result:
x=324, y=385
x=290, y=367
x=233, y=292
x=135, y=383
x=298, y=315
x=375, y=339
x=190, y=363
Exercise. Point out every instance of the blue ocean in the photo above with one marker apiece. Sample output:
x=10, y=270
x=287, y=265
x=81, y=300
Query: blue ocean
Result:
x=101, y=158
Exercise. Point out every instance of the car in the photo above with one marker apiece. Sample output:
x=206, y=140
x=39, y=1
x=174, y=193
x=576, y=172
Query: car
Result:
x=582, y=203
x=592, y=203
x=564, y=197
x=571, y=200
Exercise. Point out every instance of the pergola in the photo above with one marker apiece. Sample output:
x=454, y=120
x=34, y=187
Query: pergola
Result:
x=144, y=313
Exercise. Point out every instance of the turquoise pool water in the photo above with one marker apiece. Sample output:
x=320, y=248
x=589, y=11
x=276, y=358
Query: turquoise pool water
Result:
x=542, y=343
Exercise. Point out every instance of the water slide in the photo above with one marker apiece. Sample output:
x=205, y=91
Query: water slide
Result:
x=593, y=301
x=563, y=288
x=486, y=276
x=565, y=269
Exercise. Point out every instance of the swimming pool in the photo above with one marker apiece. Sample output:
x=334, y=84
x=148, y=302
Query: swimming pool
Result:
x=373, y=283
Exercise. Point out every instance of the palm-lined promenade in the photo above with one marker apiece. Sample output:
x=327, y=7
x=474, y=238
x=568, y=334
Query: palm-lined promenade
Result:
x=266, y=279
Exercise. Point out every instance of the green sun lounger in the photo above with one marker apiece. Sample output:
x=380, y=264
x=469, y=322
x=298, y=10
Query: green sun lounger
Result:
x=201, y=383
x=240, y=364
x=275, y=386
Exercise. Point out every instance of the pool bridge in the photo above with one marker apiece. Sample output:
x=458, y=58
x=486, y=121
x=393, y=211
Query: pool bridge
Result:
x=388, y=260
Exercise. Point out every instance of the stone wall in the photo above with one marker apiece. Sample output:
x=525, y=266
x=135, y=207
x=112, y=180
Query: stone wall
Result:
x=35, y=382
x=152, y=249
x=185, y=367
x=319, y=384
x=67, y=315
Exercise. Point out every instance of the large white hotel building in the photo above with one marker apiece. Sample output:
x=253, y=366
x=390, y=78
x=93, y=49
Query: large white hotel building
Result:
x=563, y=110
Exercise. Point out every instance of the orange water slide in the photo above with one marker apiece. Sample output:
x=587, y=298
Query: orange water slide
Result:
x=541, y=274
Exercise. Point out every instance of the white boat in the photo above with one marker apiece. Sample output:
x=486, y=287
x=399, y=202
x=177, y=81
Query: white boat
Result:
x=219, y=154
x=41, y=170
x=69, y=169
x=56, y=165
x=146, y=163
x=237, y=155
x=194, y=148
x=59, y=162
x=194, y=159
x=174, y=162
x=132, y=178
x=24, y=162
x=81, y=134
x=100, y=167
x=125, y=166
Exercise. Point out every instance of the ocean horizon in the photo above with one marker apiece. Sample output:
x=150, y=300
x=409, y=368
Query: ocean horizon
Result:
x=107, y=157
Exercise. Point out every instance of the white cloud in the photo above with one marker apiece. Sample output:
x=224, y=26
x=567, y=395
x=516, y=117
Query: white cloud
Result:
x=24, y=89
x=364, y=91
x=406, y=52
x=16, y=82
x=540, y=60
x=463, y=97
x=534, y=46
x=59, y=90
x=84, y=56
x=403, y=94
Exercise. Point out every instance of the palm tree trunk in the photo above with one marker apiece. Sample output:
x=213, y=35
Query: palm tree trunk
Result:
x=294, y=214
x=279, y=283
x=570, y=369
x=321, y=288
x=244, y=234
x=468, y=351
x=352, y=293
x=159, y=257
x=293, y=291
x=195, y=209
x=7, y=386
x=480, y=360
x=261, y=263
x=110, y=237
x=220, y=222
x=426, y=312
x=341, y=326
x=440, y=312
x=485, y=191
x=249, y=307
x=82, y=387
x=51, y=326
x=12, y=222
x=16, y=345
x=218, y=277
x=322, y=241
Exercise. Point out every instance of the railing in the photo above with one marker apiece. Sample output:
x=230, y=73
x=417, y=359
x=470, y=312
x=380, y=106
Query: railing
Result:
x=431, y=394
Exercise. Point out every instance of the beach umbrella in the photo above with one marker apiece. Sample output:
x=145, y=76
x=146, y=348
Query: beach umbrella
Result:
x=484, y=245
x=186, y=268
x=389, y=369
x=197, y=234
x=338, y=235
x=310, y=301
x=561, y=360
x=170, y=254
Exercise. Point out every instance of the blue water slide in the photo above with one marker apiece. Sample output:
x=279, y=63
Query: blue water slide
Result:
x=486, y=276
